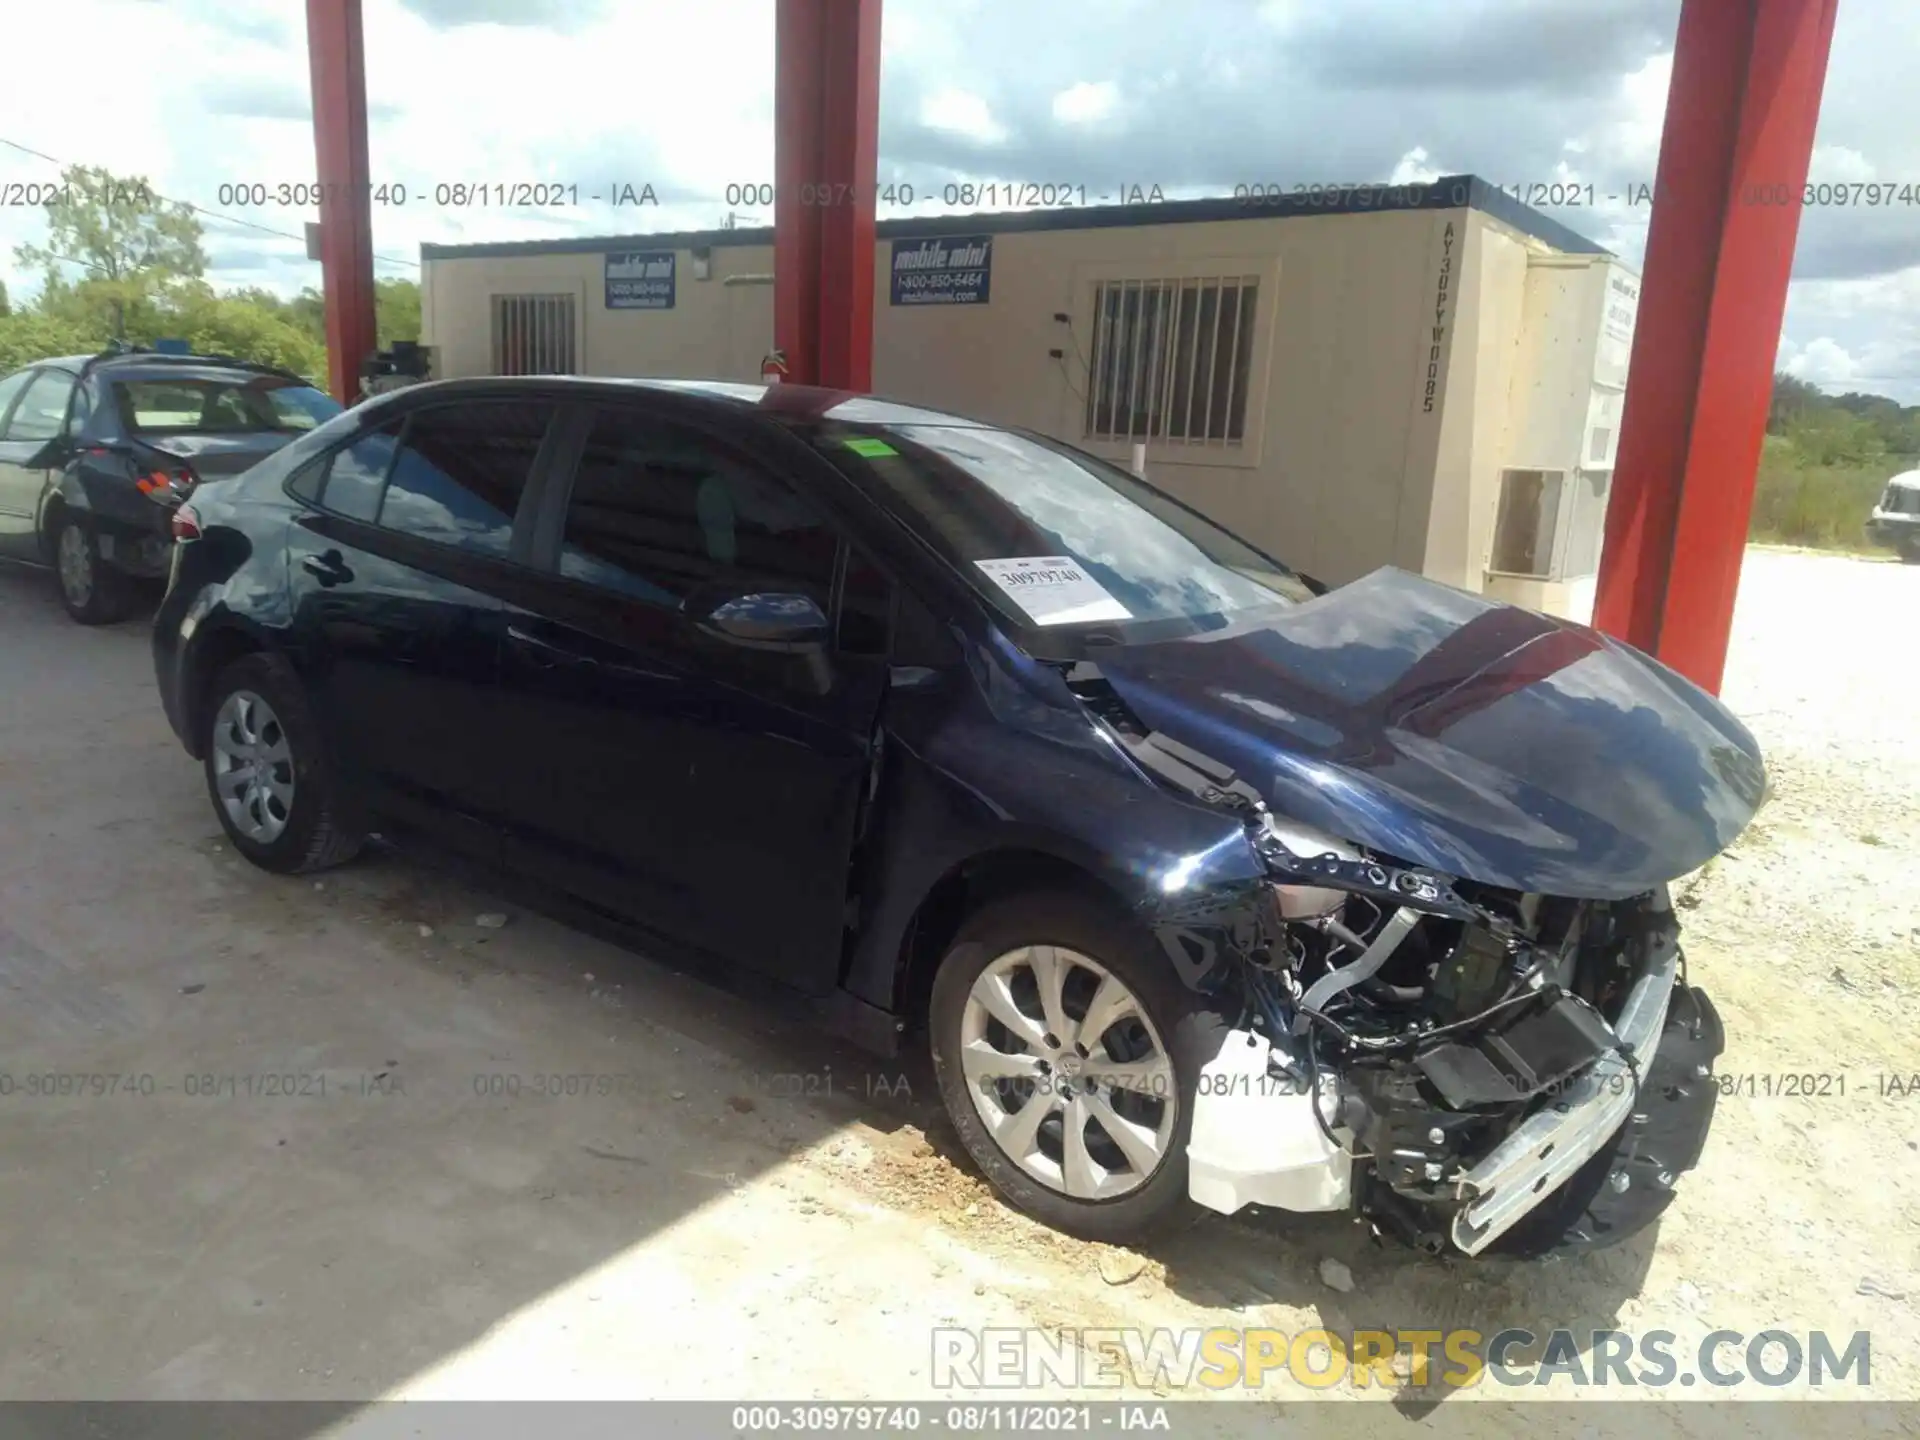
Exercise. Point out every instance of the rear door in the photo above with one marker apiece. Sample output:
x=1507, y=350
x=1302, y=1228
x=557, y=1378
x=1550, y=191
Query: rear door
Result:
x=705, y=789
x=396, y=576
x=30, y=450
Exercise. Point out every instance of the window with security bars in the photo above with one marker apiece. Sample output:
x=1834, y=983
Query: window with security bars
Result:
x=1172, y=360
x=533, y=334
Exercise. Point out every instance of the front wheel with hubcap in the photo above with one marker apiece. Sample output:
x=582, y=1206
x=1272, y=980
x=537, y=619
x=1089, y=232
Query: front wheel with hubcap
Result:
x=272, y=779
x=1067, y=1053
x=93, y=592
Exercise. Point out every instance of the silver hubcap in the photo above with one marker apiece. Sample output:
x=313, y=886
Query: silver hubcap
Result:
x=76, y=565
x=252, y=766
x=1067, y=1072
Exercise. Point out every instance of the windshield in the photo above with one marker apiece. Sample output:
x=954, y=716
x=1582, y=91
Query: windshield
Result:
x=223, y=407
x=1055, y=537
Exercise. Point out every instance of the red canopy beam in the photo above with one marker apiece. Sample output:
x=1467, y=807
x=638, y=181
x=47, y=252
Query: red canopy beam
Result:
x=826, y=115
x=1744, y=98
x=338, y=56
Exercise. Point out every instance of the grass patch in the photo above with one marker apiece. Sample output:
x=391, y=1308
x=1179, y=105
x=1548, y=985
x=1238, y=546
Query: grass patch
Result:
x=1824, y=506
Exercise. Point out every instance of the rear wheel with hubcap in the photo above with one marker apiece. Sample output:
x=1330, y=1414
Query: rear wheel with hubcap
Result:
x=1067, y=1053
x=93, y=592
x=271, y=776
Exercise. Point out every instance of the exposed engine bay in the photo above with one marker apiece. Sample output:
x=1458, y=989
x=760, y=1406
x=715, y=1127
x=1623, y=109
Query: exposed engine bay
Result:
x=1459, y=1064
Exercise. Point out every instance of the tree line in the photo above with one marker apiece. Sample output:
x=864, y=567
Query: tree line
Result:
x=121, y=263
x=1825, y=462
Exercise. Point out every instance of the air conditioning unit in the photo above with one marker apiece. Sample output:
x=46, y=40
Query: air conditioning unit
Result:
x=1564, y=418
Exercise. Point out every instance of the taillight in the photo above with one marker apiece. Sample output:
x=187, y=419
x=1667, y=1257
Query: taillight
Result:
x=164, y=487
x=186, y=524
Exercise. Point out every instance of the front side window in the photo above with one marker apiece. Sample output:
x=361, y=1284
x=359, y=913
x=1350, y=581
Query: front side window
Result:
x=660, y=513
x=1006, y=509
x=460, y=472
x=42, y=410
x=222, y=407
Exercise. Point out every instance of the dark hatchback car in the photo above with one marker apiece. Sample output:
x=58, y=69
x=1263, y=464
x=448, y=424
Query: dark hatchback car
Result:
x=1201, y=883
x=96, y=450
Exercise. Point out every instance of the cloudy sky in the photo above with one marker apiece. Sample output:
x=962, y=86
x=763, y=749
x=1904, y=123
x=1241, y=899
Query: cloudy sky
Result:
x=1195, y=97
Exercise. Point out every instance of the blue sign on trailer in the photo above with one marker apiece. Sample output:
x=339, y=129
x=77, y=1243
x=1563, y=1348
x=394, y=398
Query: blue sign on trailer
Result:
x=169, y=346
x=640, y=280
x=945, y=270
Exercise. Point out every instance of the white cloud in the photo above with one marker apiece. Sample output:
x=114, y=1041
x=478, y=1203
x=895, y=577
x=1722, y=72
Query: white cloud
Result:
x=1086, y=103
x=1822, y=361
x=960, y=112
x=1415, y=168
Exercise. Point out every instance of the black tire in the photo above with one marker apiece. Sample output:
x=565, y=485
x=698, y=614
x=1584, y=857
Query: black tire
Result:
x=1910, y=555
x=99, y=594
x=321, y=828
x=1189, y=1031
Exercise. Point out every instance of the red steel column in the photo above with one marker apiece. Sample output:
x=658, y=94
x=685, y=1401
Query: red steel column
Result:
x=826, y=114
x=1745, y=95
x=338, y=55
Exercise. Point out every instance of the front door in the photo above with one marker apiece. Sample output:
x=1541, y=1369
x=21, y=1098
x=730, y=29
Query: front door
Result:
x=396, y=575
x=704, y=788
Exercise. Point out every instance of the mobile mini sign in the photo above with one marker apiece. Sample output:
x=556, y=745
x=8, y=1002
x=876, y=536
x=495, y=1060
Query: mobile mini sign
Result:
x=954, y=270
x=640, y=280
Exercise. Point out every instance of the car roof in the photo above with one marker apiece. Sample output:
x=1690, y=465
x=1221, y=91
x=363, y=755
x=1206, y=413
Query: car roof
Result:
x=777, y=403
x=1906, y=480
x=141, y=364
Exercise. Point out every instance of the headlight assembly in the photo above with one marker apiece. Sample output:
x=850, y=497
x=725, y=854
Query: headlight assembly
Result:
x=1315, y=872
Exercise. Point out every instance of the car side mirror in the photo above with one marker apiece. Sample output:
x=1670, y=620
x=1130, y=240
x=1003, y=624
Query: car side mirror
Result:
x=767, y=620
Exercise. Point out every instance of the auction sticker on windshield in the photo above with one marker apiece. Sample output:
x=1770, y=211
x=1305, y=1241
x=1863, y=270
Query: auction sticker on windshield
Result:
x=1054, y=590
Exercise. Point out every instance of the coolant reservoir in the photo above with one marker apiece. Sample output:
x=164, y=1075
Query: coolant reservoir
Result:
x=1255, y=1140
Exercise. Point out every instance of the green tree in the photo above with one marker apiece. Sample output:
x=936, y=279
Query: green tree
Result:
x=396, y=311
x=27, y=336
x=116, y=227
x=6, y=306
x=1792, y=397
x=232, y=325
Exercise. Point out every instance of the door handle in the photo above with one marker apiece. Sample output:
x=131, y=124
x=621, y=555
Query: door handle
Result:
x=550, y=653
x=329, y=569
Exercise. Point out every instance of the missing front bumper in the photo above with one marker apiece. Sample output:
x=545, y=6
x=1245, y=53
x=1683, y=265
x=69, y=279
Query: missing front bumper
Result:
x=1619, y=1127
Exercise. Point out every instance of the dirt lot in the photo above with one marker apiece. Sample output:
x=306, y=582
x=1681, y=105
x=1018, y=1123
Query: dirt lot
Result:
x=334, y=1164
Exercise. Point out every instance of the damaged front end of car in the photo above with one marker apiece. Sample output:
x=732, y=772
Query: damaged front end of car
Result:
x=1525, y=1068
x=1466, y=1067
x=1465, y=1013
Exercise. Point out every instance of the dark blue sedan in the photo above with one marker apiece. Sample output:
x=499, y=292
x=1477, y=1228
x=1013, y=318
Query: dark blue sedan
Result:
x=1203, y=883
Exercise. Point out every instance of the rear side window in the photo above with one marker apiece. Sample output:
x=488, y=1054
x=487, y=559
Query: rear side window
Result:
x=659, y=512
x=356, y=474
x=461, y=470
x=221, y=407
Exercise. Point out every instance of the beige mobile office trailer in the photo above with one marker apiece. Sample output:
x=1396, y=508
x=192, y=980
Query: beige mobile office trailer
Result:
x=1427, y=376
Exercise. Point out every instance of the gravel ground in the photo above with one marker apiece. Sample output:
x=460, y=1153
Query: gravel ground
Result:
x=720, y=1227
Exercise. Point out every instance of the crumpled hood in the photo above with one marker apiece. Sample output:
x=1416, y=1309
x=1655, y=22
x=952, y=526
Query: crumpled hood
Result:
x=1480, y=739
